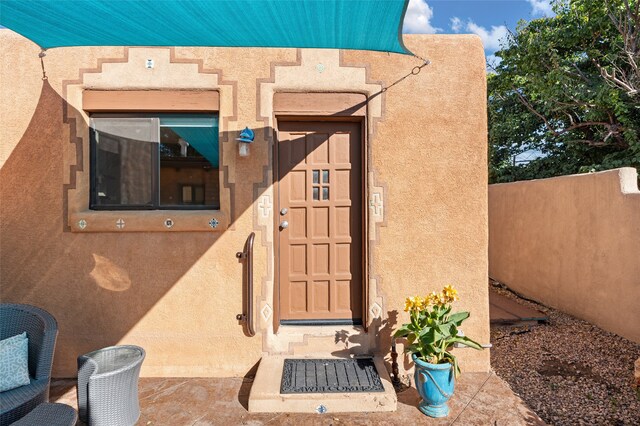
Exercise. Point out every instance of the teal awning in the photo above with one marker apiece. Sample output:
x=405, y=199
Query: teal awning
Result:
x=339, y=24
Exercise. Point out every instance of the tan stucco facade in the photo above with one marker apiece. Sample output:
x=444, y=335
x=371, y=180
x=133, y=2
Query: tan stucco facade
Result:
x=177, y=291
x=572, y=243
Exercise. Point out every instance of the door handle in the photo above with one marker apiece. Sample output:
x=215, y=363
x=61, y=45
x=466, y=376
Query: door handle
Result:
x=284, y=224
x=284, y=211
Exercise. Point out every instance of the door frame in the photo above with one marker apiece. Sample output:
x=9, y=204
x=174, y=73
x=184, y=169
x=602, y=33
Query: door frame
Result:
x=363, y=205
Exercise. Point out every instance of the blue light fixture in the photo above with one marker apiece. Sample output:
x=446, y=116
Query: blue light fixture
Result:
x=246, y=138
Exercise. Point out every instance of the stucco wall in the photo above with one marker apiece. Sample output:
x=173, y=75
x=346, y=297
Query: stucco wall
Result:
x=177, y=293
x=573, y=243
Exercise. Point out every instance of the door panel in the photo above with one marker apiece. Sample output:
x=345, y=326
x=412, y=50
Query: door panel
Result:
x=320, y=252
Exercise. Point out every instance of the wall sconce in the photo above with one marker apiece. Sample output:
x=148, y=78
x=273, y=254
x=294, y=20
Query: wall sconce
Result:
x=246, y=138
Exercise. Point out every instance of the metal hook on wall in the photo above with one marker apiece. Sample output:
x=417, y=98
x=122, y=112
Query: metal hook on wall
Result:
x=41, y=55
x=414, y=71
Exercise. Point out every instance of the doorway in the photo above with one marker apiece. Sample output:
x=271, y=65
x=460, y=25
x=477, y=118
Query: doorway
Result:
x=320, y=220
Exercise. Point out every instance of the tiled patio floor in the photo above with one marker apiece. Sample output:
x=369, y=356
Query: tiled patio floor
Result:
x=480, y=399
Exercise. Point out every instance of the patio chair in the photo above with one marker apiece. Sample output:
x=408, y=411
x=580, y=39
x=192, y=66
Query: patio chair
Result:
x=42, y=331
x=50, y=415
x=108, y=385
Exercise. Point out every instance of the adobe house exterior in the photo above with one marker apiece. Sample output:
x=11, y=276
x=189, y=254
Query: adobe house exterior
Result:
x=385, y=187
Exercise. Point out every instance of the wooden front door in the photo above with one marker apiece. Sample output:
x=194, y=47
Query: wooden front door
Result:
x=320, y=245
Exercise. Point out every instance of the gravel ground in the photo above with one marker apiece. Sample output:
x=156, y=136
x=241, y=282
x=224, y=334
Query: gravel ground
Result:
x=568, y=371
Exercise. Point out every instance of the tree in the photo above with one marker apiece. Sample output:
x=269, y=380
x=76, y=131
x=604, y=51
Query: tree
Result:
x=622, y=67
x=565, y=89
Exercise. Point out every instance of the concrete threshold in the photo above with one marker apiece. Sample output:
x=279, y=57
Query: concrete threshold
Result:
x=265, y=394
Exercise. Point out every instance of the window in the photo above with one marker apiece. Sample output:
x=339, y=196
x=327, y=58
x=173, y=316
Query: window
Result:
x=316, y=185
x=162, y=161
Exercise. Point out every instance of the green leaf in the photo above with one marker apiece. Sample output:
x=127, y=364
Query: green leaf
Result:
x=447, y=310
x=459, y=317
x=467, y=342
x=430, y=337
x=402, y=332
x=451, y=329
x=424, y=331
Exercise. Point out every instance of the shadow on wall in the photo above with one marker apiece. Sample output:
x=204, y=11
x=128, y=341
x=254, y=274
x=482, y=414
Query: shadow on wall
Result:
x=98, y=285
x=383, y=334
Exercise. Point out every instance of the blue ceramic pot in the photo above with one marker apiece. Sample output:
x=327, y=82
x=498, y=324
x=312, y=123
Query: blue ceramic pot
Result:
x=435, y=383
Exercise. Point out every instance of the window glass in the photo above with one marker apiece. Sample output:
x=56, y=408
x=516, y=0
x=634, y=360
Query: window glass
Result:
x=123, y=172
x=189, y=161
x=157, y=162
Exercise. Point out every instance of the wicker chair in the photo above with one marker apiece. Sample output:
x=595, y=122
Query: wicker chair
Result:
x=42, y=331
x=108, y=385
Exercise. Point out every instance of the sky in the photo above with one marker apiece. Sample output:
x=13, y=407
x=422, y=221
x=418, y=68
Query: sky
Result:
x=489, y=19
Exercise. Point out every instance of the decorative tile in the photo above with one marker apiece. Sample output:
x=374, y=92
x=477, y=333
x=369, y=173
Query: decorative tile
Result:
x=265, y=206
x=214, y=223
x=376, y=310
x=120, y=223
x=168, y=223
x=320, y=68
x=266, y=312
x=82, y=224
x=376, y=203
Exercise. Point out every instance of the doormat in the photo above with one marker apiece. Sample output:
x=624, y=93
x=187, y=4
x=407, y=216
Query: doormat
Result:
x=330, y=376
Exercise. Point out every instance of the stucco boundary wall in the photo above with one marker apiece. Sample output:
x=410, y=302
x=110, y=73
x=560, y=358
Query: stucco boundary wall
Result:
x=572, y=243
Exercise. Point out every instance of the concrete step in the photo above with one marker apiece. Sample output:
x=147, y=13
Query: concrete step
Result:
x=336, y=340
x=265, y=394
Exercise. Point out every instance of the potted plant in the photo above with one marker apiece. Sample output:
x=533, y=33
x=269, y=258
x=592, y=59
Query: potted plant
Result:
x=430, y=335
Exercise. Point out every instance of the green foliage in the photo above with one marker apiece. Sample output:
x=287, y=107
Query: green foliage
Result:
x=549, y=95
x=433, y=329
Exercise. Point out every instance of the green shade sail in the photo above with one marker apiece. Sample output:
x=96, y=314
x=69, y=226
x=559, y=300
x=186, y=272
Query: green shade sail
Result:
x=340, y=24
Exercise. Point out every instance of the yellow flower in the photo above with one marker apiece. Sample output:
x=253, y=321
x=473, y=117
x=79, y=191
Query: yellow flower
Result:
x=408, y=304
x=434, y=298
x=450, y=294
x=415, y=303
x=425, y=302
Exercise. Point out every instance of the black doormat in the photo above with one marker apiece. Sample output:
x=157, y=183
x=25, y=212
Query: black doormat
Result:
x=330, y=376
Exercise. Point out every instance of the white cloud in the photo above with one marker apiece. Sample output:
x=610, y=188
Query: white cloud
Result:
x=492, y=62
x=541, y=8
x=456, y=24
x=417, y=20
x=490, y=38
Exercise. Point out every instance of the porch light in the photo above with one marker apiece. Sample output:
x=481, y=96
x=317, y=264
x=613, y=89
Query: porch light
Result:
x=246, y=138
